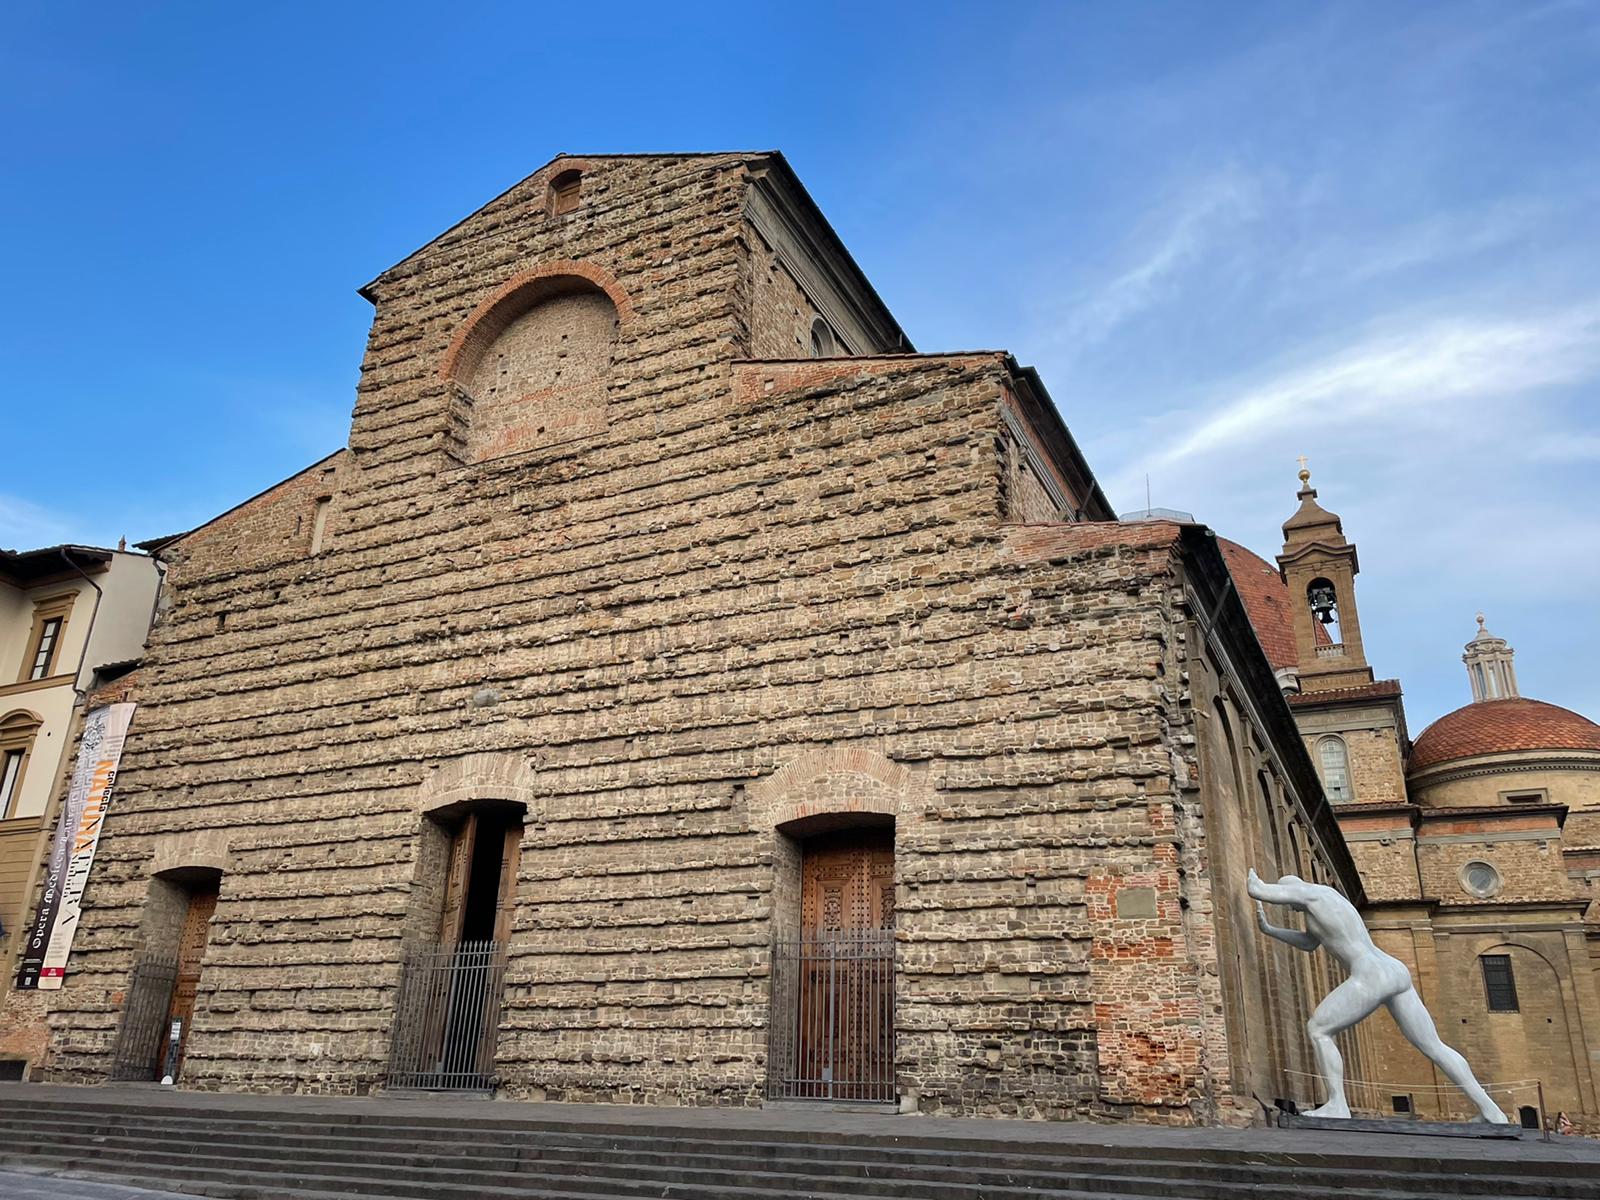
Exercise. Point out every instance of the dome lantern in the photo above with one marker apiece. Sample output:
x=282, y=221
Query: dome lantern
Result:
x=1489, y=666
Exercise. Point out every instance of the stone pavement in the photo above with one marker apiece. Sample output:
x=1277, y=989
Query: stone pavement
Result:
x=24, y=1185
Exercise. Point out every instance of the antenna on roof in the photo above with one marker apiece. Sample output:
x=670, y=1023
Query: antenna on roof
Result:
x=1147, y=491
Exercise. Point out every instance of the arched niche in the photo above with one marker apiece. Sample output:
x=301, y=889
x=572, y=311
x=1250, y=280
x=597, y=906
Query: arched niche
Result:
x=533, y=362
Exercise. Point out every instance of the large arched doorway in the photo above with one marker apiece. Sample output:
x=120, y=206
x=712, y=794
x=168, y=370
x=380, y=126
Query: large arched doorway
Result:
x=832, y=1033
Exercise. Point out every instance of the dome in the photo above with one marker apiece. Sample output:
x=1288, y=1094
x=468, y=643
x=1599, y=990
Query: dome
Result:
x=1503, y=727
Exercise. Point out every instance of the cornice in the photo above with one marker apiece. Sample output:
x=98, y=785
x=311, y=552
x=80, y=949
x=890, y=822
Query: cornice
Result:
x=36, y=685
x=1582, y=760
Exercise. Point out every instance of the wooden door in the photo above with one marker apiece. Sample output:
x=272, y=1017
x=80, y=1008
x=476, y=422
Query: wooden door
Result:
x=191, y=950
x=847, y=882
x=846, y=1010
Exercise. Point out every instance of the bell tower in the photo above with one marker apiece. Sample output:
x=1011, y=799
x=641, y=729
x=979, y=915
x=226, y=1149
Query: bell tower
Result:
x=1320, y=567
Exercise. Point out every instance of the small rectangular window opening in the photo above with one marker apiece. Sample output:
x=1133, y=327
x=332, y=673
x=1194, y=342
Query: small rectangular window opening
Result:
x=45, y=649
x=1499, y=983
x=10, y=775
x=319, y=524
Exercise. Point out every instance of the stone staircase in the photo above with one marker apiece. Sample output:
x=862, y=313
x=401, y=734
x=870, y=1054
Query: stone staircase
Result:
x=257, y=1149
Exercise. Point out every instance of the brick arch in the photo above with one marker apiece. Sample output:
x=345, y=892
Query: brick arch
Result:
x=520, y=293
x=201, y=850
x=1489, y=943
x=838, y=781
x=476, y=777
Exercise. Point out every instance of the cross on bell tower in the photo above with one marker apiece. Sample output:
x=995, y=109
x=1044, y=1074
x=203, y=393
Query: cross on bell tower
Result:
x=1320, y=567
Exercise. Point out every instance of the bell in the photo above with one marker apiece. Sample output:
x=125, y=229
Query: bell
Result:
x=1323, y=602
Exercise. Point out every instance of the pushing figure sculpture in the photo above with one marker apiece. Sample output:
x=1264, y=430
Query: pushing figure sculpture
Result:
x=1375, y=978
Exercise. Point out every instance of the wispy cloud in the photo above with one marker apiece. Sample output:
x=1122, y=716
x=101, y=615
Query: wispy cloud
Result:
x=25, y=525
x=1396, y=377
x=1440, y=238
x=1174, y=239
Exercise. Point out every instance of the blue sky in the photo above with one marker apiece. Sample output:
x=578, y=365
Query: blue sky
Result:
x=1227, y=235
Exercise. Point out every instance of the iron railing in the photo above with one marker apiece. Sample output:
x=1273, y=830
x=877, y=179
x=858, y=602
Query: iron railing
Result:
x=832, y=1031
x=447, y=1019
x=144, y=1019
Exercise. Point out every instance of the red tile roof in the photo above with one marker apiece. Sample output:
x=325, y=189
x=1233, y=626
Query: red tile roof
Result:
x=1266, y=600
x=1501, y=726
x=1364, y=691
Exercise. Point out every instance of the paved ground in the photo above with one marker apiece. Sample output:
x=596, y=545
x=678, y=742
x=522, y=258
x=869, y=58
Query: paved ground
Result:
x=809, y=1120
x=19, y=1185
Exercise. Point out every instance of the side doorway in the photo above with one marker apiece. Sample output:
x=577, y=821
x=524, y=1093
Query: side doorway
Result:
x=832, y=1033
x=158, y=1011
x=447, y=1018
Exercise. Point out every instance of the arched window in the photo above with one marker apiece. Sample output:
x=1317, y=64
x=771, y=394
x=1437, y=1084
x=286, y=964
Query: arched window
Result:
x=17, y=732
x=1323, y=599
x=564, y=191
x=537, y=368
x=1333, y=762
x=824, y=343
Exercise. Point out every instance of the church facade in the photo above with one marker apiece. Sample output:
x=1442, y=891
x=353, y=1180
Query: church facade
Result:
x=1478, y=843
x=680, y=691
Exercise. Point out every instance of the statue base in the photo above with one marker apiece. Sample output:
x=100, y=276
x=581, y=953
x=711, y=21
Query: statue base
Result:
x=1412, y=1126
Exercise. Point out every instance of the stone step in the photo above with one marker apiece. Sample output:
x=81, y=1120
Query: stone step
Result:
x=223, y=1178
x=887, y=1179
x=254, y=1148
x=564, y=1153
x=423, y=1127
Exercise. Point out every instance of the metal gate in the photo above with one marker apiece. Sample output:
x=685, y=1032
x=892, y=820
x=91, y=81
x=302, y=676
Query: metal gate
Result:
x=447, y=1019
x=832, y=1034
x=144, y=1019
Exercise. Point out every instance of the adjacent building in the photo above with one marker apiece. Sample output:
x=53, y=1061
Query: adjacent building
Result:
x=69, y=615
x=1478, y=843
x=682, y=691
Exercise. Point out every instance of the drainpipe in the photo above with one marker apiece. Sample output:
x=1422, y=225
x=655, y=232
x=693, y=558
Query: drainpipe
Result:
x=99, y=595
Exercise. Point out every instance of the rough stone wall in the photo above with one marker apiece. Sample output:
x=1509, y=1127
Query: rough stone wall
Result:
x=1376, y=773
x=1384, y=847
x=1251, y=818
x=1026, y=497
x=761, y=588
x=781, y=314
x=1525, y=849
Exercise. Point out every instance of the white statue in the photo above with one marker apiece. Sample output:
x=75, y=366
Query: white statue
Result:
x=1375, y=978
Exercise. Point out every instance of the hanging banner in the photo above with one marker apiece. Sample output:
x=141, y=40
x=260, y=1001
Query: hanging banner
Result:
x=49, y=940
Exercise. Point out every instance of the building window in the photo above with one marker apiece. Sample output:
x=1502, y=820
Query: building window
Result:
x=1480, y=879
x=44, y=642
x=564, y=190
x=17, y=732
x=44, y=650
x=1334, y=759
x=1498, y=983
x=824, y=343
x=1538, y=797
x=319, y=525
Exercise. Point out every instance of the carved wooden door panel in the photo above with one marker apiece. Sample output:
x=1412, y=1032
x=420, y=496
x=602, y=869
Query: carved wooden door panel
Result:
x=191, y=950
x=845, y=1035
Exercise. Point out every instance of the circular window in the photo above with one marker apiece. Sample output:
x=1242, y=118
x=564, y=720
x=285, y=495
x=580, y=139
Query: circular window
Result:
x=1480, y=879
